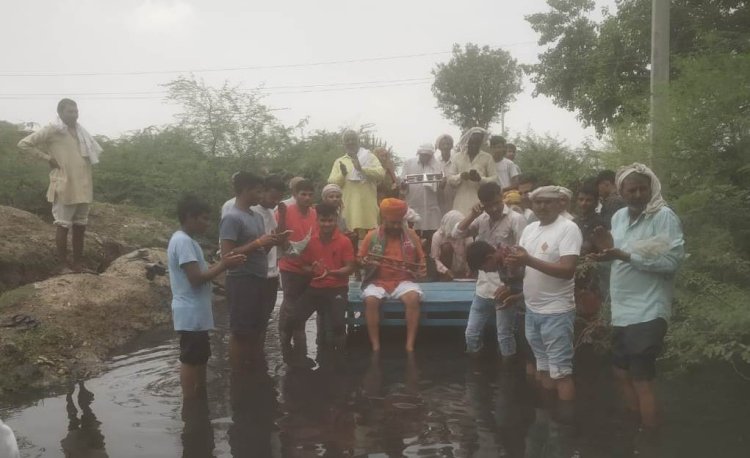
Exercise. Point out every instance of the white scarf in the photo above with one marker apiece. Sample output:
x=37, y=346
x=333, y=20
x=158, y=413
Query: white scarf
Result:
x=463, y=143
x=656, y=202
x=364, y=157
x=89, y=148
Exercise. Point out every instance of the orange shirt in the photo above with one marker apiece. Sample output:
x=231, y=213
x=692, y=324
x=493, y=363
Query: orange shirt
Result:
x=387, y=277
x=300, y=224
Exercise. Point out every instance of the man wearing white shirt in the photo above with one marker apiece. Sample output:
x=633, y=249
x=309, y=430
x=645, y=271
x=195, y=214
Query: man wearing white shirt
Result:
x=273, y=190
x=549, y=250
x=493, y=222
x=506, y=169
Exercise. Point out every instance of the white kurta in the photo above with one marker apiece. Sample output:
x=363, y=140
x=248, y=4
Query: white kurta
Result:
x=423, y=197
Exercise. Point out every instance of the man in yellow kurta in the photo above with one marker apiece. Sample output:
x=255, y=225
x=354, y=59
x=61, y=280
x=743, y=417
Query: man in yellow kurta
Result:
x=469, y=168
x=70, y=152
x=358, y=173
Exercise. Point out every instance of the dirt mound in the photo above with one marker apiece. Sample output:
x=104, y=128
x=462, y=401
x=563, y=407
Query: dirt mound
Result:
x=27, y=243
x=66, y=326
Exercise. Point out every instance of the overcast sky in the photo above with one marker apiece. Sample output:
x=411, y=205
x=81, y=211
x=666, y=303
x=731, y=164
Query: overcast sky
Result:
x=155, y=37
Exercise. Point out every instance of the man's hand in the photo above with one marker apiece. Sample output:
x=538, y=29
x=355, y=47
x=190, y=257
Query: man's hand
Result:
x=518, y=257
x=319, y=271
x=611, y=254
x=477, y=210
x=510, y=300
x=343, y=168
x=501, y=293
x=602, y=239
x=53, y=163
x=355, y=162
x=281, y=208
x=267, y=240
x=449, y=275
x=232, y=260
x=474, y=175
x=465, y=176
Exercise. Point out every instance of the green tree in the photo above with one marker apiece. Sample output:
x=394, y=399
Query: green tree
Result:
x=227, y=121
x=23, y=179
x=550, y=160
x=601, y=70
x=476, y=85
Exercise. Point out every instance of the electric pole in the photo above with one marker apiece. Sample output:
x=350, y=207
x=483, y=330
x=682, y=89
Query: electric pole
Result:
x=659, y=80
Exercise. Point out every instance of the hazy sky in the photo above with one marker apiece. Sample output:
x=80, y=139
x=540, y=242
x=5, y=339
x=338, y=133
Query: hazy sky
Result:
x=156, y=37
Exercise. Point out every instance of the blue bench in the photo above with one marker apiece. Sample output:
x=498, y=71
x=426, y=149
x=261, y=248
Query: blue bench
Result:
x=443, y=304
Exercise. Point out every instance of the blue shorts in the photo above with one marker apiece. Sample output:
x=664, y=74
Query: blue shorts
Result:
x=550, y=337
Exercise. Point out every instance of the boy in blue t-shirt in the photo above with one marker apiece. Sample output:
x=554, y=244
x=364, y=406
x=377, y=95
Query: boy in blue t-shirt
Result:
x=189, y=278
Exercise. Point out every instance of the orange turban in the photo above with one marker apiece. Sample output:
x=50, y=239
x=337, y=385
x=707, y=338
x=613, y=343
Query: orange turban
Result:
x=512, y=198
x=393, y=209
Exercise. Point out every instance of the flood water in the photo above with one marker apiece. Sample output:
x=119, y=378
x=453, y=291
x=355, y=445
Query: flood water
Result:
x=433, y=405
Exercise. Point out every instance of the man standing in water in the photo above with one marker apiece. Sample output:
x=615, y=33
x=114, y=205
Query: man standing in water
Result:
x=241, y=231
x=549, y=250
x=646, y=246
x=471, y=167
x=70, y=151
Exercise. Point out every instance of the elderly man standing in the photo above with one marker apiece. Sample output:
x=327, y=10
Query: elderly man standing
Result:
x=393, y=258
x=358, y=173
x=646, y=246
x=444, y=144
x=423, y=197
x=70, y=151
x=470, y=168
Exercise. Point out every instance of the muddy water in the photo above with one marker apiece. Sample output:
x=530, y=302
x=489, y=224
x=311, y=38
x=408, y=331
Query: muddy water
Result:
x=435, y=404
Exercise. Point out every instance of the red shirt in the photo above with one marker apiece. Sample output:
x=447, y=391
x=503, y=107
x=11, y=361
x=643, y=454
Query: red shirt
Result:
x=300, y=225
x=332, y=255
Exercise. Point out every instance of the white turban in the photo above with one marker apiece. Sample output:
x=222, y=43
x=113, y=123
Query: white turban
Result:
x=440, y=139
x=463, y=144
x=566, y=192
x=549, y=192
x=426, y=148
x=656, y=202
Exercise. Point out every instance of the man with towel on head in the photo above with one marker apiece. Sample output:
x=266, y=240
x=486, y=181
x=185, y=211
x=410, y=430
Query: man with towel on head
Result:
x=393, y=259
x=646, y=247
x=470, y=167
x=423, y=197
x=358, y=173
x=70, y=152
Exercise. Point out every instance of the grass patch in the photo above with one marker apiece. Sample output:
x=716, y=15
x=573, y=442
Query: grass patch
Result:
x=10, y=298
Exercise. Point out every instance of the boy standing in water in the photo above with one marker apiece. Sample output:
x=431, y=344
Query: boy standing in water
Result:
x=329, y=260
x=189, y=278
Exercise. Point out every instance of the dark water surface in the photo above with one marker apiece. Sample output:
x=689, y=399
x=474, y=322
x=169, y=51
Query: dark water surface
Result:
x=433, y=405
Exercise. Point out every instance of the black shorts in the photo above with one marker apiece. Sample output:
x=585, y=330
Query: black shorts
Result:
x=195, y=348
x=247, y=310
x=636, y=347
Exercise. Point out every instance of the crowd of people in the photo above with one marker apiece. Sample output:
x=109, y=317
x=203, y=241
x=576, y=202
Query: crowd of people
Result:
x=469, y=213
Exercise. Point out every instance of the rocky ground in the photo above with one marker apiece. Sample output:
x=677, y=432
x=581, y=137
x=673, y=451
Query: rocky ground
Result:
x=57, y=327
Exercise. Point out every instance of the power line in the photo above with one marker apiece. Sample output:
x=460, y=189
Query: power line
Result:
x=251, y=67
x=153, y=97
x=259, y=88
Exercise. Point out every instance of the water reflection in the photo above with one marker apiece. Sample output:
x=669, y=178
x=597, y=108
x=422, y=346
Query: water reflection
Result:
x=433, y=403
x=84, y=439
x=197, y=434
x=254, y=407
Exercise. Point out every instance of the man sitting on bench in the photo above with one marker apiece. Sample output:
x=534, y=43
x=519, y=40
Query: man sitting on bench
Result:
x=393, y=259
